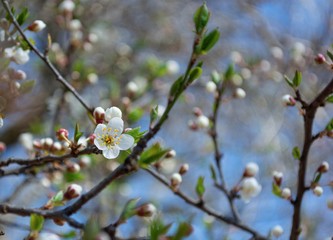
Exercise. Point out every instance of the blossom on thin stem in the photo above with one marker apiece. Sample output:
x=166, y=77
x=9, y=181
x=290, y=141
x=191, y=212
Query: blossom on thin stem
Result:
x=250, y=188
x=110, y=140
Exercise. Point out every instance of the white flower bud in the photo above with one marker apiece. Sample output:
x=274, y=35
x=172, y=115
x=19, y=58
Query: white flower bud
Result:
x=288, y=100
x=67, y=6
x=47, y=143
x=250, y=188
x=172, y=67
x=286, y=193
x=239, y=93
x=73, y=191
x=73, y=168
x=132, y=87
x=251, y=169
x=330, y=203
x=210, y=87
x=92, y=78
x=75, y=25
x=277, y=231
x=56, y=147
x=246, y=73
x=171, y=154
x=236, y=57
x=160, y=110
x=183, y=169
x=318, y=191
x=82, y=143
x=277, y=176
x=17, y=85
x=85, y=161
x=277, y=52
x=323, y=168
x=48, y=236
x=146, y=210
x=99, y=114
x=202, y=121
x=176, y=180
x=111, y=113
x=37, y=26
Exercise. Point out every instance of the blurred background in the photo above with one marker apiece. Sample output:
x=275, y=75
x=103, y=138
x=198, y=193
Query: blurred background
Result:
x=116, y=43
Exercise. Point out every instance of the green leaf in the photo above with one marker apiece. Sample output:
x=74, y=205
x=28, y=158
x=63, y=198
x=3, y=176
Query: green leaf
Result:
x=70, y=235
x=201, y=18
x=77, y=133
x=158, y=229
x=297, y=78
x=216, y=77
x=276, y=189
x=136, y=133
x=330, y=55
x=329, y=99
x=317, y=177
x=27, y=86
x=176, y=86
x=13, y=10
x=91, y=229
x=152, y=154
x=36, y=222
x=210, y=40
x=194, y=74
x=22, y=17
x=153, y=114
x=73, y=177
x=184, y=230
x=229, y=73
x=329, y=126
x=296, y=153
x=135, y=114
x=57, y=200
x=288, y=81
x=129, y=210
x=200, y=188
x=212, y=172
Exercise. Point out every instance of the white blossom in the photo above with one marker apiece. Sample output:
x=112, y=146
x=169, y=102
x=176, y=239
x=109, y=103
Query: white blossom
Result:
x=18, y=55
x=112, y=112
x=250, y=188
x=277, y=231
x=132, y=87
x=210, y=86
x=48, y=236
x=286, y=193
x=318, y=191
x=239, y=93
x=110, y=140
x=202, y=121
x=251, y=169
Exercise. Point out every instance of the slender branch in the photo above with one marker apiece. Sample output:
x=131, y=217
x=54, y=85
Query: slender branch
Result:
x=200, y=205
x=310, y=112
x=46, y=60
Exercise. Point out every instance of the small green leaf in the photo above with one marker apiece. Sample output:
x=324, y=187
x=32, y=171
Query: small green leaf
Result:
x=151, y=155
x=57, y=200
x=176, y=86
x=136, y=133
x=297, y=78
x=296, y=153
x=70, y=235
x=27, y=86
x=216, y=77
x=201, y=18
x=22, y=17
x=210, y=40
x=135, y=114
x=153, y=114
x=91, y=229
x=329, y=99
x=212, y=172
x=129, y=210
x=317, y=177
x=194, y=74
x=158, y=229
x=73, y=177
x=329, y=126
x=200, y=188
x=36, y=222
x=276, y=189
x=330, y=55
x=229, y=73
x=289, y=82
x=184, y=230
x=77, y=133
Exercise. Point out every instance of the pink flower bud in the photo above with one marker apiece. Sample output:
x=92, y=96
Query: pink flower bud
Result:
x=73, y=191
x=320, y=58
x=99, y=114
x=288, y=100
x=62, y=134
x=146, y=210
x=37, y=26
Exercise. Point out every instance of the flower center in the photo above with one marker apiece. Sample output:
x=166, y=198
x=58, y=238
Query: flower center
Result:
x=109, y=140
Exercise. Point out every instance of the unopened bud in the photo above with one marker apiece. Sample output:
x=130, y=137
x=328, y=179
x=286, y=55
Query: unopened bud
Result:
x=197, y=111
x=176, y=180
x=171, y=154
x=320, y=58
x=286, y=193
x=111, y=113
x=277, y=231
x=146, y=210
x=202, y=121
x=73, y=167
x=62, y=134
x=132, y=88
x=323, y=168
x=210, y=87
x=251, y=169
x=56, y=147
x=183, y=169
x=59, y=222
x=73, y=191
x=318, y=191
x=278, y=176
x=47, y=143
x=99, y=114
x=67, y=6
x=239, y=93
x=84, y=161
x=37, y=26
x=193, y=125
x=288, y=100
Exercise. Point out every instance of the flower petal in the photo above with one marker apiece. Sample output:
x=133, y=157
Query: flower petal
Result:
x=125, y=141
x=111, y=153
x=116, y=123
x=99, y=129
x=100, y=144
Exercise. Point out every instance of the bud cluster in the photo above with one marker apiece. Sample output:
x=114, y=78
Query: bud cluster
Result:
x=200, y=121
